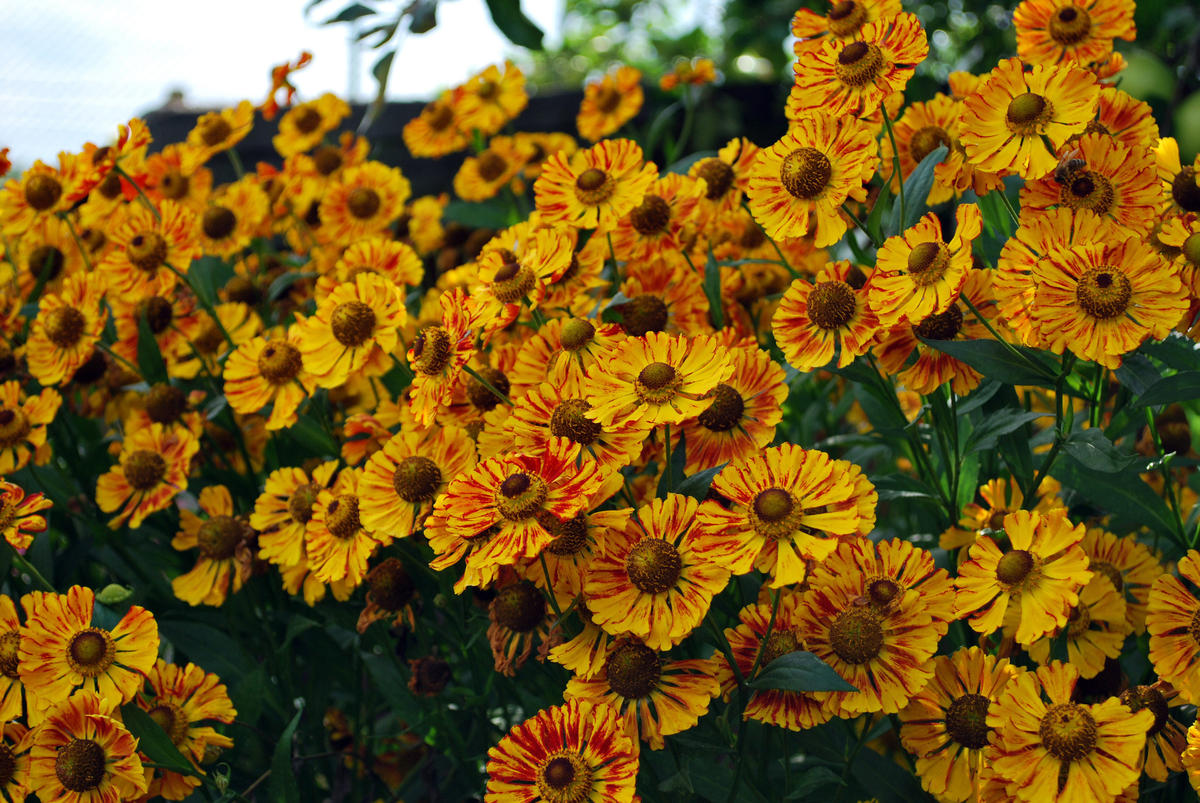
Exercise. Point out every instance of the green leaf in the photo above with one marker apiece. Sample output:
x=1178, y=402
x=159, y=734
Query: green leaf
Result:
x=886, y=780
x=995, y=214
x=1093, y=449
x=1137, y=372
x=205, y=645
x=383, y=68
x=800, y=671
x=310, y=434
x=1176, y=350
x=712, y=289
x=154, y=741
x=874, y=221
x=514, y=24
x=901, y=486
x=684, y=164
x=994, y=425
x=284, y=282
x=282, y=786
x=1176, y=388
x=206, y=274
x=814, y=780
x=476, y=215
x=424, y=17
x=675, y=470
x=916, y=191
x=150, y=361
x=1125, y=495
x=979, y=397
x=998, y=361
x=349, y=13
x=697, y=485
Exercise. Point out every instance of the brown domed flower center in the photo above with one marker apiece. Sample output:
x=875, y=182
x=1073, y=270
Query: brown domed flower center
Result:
x=215, y=130
x=352, y=323
x=882, y=592
x=1078, y=620
x=859, y=64
x=521, y=496
x=927, y=262
x=594, y=186
x=607, y=99
x=805, y=173
x=1028, y=112
x=780, y=643
x=1068, y=731
x=91, y=652
x=110, y=186
x=570, y=536
x=218, y=537
x=1069, y=25
x=488, y=89
x=327, y=159
x=431, y=350
x=752, y=236
x=576, y=333
x=417, y=479
x=1103, y=292
x=45, y=262
x=520, y=607
x=856, y=635
x=1185, y=191
x=42, y=191
x=64, y=326
x=363, y=203
x=341, y=517
x=218, y=222
x=966, y=721
x=279, y=362
x=941, y=326
x=653, y=565
x=244, y=291
x=306, y=119
x=564, y=778
x=512, y=281
x=165, y=403
x=438, y=116
x=1014, y=566
x=633, y=670
x=8, y=765
x=174, y=185
x=300, y=503
x=158, y=312
x=147, y=250
x=389, y=586
x=726, y=410
x=10, y=643
x=144, y=469
x=642, y=314
x=718, y=177
x=1111, y=572
x=774, y=505
x=925, y=141
x=846, y=17
x=482, y=397
x=1139, y=697
x=651, y=216
x=14, y=426
x=1088, y=190
x=491, y=165
x=171, y=719
x=831, y=305
x=569, y=420
x=656, y=375
x=79, y=765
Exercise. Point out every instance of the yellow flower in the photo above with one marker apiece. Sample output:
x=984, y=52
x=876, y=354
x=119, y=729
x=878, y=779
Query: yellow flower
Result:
x=593, y=189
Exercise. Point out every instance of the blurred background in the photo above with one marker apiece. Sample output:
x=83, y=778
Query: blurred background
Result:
x=73, y=69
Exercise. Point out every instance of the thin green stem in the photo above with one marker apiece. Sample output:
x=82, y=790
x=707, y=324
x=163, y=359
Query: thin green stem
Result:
x=1096, y=414
x=549, y=587
x=32, y=571
x=766, y=639
x=475, y=374
x=1168, y=481
x=783, y=260
x=887, y=124
x=209, y=308
x=107, y=350
x=141, y=193
x=1012, y=212
x=992, y=330
x=667, y=456
x=861, y=226
x=236, y=162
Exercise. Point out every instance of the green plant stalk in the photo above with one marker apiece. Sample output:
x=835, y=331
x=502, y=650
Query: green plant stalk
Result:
x=141, y=193
x=30, y=569
x=558, y=614
x=1168, y=482
x=767, y=635
x=1062, y=427
x=667, y=456
x=1012, y=213
x=209, y=308
x=475, y=374
x=1096, y=414
x=887, y=124
x=779, y=251
x=861, y=226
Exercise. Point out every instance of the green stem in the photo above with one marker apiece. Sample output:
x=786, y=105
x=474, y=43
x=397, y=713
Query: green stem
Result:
x=32, y=571
x=1096, y=414
x=887, y=124
x=549, y=588
x=767, y=635
x=992, y=330
x=141, y=193
x=1012, y=212
x=667, y=456
x=209, y=308
x=861, y=226
x=778, y=251
x=475, y=374
x=1168, y=482
x=236, y=162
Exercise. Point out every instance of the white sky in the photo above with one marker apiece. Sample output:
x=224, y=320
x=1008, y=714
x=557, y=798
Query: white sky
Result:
x=71, y=70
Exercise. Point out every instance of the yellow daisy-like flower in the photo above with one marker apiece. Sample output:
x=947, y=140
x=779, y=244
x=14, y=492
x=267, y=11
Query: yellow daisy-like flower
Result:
x=651, y=580
x=387, y=257
x=1166, y=738
x=945, y=725
x=1104, y=299
x=799, y=184
x=303, y=126
x=221, y=130
x=20, y=520
x=1182, y=181
x=1004, y=121
x=438, y=354
x=23, y=420
x=844, y=21
x=438, y=130
x=593, y=189
x=725, y=176
x=67, y=328
x=514, y=269
x=657, y=224
x=852, y=77
x=153, y=467
x=1174, y=610
x=362, y=201
x=1000, y=496
x=655, y=696
x=491, y=98
x=917, y=274
x=12, y=694
x=83, y=754
x=175, y=174
x=1095, y=630
x=1130, y=566
x=1041, y=572
x=337, y=543
x=826, y=318
x=234, y=215
x=577, y=751
x=787, y=506
x=268, y=371
x=558, y=409
x=657, y=379
x=222, y=540
x=400, y=482
x=1072, y=31
x=610, y=103
x=1191, y=756
x=61, y=649
x=483, y=175
x=358, y=324
x=284, y=508
x=1047, y=748
x=47, y=254
x=145, y=245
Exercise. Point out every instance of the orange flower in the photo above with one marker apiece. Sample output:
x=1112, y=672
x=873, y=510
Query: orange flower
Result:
x=491, y=98
x=816, y=321
x=67, y=328
x=593, y=189
x=355, y=327
x=610, y=103
x=222, y=540
x=268, y=371
x=148, y=250
x=20, y=519
x=23, y=421
x=152, y=469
